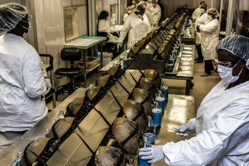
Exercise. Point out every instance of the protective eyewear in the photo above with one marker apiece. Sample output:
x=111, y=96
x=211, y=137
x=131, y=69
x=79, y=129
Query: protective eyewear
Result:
x=223, y=63
x=29, y=19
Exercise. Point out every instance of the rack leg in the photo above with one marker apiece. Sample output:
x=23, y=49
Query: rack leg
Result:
x=188, y=84
x=53, y=87
x=84, y=54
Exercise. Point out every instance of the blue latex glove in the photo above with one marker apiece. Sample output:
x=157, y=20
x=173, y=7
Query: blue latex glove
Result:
x=153, y=154
x=198, y=28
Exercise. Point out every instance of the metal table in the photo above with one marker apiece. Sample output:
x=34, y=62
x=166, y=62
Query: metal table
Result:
x=183, y=69
x=84, y=43
x=179, y=110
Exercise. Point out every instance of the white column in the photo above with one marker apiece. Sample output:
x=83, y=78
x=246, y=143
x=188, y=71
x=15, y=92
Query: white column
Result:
x=90, y=17
x=229, y=18
x=221, y=8
x=119, y=12
x=213, y=3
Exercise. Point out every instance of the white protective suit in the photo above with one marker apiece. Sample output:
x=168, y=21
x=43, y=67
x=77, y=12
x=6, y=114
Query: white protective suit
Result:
x=196, y=13
x=222, y=129
x=125, y=17
x=21, y=85
x=153, y=14
x=104, y=26
x=210, y=39
x=136, y=27
x=202, y=20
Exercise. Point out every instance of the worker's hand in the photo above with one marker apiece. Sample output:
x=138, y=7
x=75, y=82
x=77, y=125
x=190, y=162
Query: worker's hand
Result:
x=119, y=45
x=153, y=154
x=44, y=72
x=185, y=129
x=48, y=83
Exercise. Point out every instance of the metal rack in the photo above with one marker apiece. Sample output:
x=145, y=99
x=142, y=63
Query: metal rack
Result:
x=94, y=127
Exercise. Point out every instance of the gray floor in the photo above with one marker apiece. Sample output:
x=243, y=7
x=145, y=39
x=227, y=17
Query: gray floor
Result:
x=202, y=85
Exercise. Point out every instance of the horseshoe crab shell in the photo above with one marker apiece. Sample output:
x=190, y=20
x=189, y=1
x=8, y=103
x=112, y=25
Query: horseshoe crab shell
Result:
x=122, y=129
x=143, y=97
x=108, y=155
x=135, y=111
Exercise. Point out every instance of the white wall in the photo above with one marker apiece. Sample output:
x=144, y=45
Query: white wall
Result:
x=171, y=5
x=50, y=28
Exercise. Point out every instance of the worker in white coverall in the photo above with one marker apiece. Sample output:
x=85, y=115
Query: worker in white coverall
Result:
x=202, y=19
x=197, y=11
x=153, y=12
x=128, y=12
x=137, y=24
x=22, y=82
x=209, y=39
x=104, y=28
x=221, y=126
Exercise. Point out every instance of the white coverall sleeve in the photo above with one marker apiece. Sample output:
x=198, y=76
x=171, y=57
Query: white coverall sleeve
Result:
x=232, y=127
x=125, y=30
x=158, y=16
x=32, y=74
x=195, y=14
x=210, y=27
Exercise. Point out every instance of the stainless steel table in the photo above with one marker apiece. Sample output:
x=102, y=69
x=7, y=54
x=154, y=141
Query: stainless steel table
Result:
x=179, y=110
x=183, y=69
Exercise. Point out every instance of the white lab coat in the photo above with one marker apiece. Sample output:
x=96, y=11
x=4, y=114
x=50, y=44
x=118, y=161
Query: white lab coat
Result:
x=136, y=27
x=104, y=26
x=125, y=17
x=210, y=39
x=222, y=129
x=21, y=85
x=153, y=14
x=200, y=21
x=196, y=13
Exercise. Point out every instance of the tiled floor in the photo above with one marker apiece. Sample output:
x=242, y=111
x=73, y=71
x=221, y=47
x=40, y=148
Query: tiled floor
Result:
x=202, y=85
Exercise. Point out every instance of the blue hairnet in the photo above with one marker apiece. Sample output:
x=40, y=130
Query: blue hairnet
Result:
x=10, y=15
x=237, y=45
